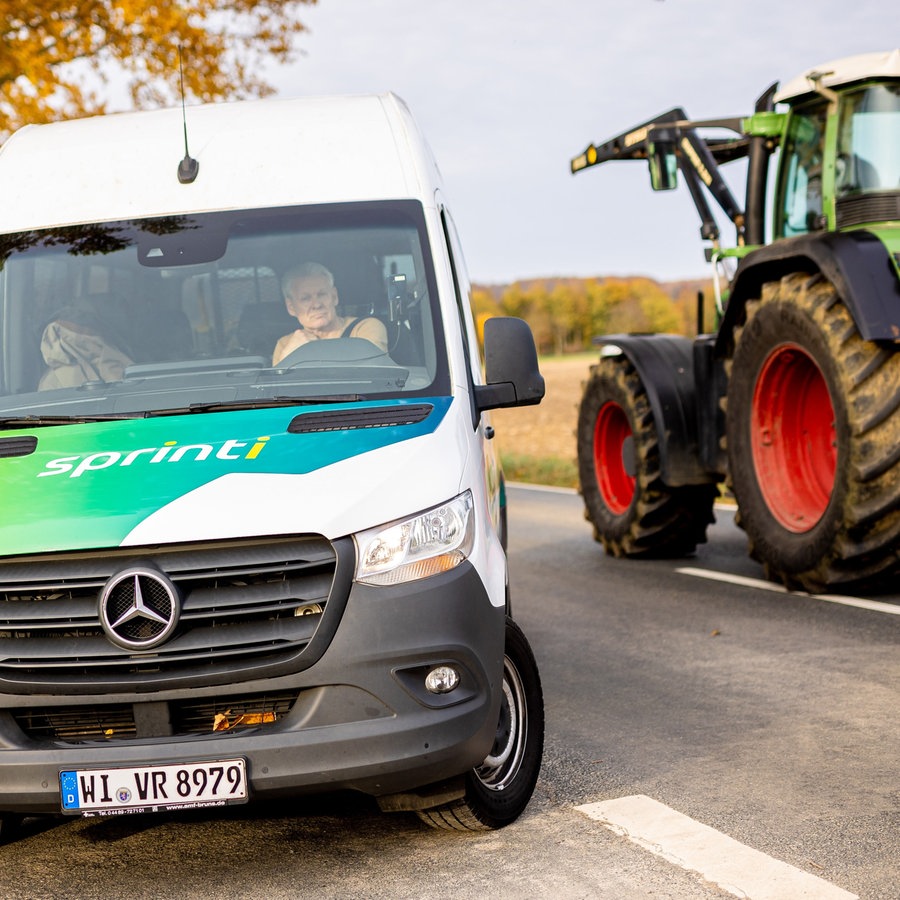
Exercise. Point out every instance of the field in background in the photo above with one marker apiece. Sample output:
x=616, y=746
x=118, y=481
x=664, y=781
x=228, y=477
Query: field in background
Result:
x=537, y=443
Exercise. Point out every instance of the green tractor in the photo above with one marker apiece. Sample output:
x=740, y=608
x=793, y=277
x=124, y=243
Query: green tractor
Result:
x=794, y=401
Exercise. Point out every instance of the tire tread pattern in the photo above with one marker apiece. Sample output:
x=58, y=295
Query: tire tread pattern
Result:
x=865, y=511
x=662, y=521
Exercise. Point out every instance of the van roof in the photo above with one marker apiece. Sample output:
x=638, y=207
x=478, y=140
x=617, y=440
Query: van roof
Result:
x=252, y=154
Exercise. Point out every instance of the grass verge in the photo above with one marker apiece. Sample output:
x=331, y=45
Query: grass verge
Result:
x=531, y=470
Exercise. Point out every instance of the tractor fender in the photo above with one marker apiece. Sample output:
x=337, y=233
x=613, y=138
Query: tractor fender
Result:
x=665, y=365
x=857, y=263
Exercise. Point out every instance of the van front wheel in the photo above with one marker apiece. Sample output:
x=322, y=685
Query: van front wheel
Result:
x=498, y=790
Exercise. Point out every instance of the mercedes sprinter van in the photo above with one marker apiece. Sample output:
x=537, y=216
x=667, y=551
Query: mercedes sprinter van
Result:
x=252, y=524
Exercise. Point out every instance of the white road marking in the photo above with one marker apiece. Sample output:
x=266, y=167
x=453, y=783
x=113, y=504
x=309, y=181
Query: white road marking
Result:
x=876, y=605
x=732, y=866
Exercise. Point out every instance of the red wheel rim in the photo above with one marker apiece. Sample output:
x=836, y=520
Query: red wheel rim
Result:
x=793, y=438
x=614, y=457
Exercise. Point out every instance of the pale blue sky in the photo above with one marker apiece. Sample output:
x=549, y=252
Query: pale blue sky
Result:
x=507, y=91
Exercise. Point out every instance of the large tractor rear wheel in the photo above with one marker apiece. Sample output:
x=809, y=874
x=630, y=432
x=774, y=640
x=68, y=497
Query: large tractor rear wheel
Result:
x=633, y=512
x=813, y=439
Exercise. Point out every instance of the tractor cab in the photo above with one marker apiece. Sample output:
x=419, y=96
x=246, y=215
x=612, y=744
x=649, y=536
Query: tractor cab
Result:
x=839, y=167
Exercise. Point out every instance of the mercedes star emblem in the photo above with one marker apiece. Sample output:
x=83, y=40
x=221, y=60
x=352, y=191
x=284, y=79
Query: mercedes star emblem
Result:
x=139, y=608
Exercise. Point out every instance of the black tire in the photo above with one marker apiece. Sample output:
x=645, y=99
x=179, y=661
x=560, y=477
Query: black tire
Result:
x=818, y=495
x=634, y=513
x=498, y=791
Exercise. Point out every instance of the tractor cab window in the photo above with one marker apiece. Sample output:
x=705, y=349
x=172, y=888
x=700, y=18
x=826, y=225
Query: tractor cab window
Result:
x=868, y=137
x=801, y=209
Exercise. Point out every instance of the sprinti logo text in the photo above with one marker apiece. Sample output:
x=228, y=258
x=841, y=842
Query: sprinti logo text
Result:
x=170, y=452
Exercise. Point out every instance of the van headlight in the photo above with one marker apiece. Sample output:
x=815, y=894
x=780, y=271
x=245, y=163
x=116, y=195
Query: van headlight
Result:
x=431, y=542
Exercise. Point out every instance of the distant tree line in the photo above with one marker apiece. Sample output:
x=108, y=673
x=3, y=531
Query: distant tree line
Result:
x=565, y=314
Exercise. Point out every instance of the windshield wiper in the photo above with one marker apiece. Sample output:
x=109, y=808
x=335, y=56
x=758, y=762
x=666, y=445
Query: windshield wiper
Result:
x=80, y=419
x=263, y=403
x=216, y=406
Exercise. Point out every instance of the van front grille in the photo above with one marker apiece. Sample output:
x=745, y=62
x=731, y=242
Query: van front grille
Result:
x=249, y=608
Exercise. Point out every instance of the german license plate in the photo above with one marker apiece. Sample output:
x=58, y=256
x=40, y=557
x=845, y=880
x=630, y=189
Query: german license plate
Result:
x=136, y=789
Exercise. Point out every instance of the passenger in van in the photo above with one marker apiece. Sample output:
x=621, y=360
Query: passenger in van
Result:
x=75, y=351
x=311, y=297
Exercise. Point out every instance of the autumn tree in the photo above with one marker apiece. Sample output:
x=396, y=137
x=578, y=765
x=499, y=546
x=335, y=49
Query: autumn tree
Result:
x=484, y=306
x=531, y=303
x=687, y=299
x=58, y=56
x=642, y=306
x=600, y=305
x=566, y=314
x=484, y=303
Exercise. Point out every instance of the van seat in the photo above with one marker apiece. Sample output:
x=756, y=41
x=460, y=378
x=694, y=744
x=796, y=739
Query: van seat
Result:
x=261, y=325
x=161, y=335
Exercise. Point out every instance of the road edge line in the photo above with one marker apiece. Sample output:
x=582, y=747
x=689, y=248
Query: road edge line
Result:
x=859, y=602
x=734, y=867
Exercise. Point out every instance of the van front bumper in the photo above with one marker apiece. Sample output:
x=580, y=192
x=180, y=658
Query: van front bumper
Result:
x=362, y=718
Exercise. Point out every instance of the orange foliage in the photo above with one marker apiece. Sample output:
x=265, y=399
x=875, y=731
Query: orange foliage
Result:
x=52, y=50
x=565, y=314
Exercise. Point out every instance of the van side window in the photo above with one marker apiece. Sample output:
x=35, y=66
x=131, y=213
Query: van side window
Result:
x=463, y=288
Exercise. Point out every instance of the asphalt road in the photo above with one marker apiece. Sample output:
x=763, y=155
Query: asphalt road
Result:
x=771, y=718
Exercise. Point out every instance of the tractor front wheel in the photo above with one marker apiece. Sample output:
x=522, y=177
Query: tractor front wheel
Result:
x=634, y=513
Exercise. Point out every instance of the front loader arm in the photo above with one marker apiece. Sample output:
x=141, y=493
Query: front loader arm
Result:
x=632, y=144
x=672, y=136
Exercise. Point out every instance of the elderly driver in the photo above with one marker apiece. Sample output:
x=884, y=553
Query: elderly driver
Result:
x=311, y=297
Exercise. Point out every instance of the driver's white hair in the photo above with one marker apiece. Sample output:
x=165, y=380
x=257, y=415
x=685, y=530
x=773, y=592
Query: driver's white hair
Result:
x=305, y=270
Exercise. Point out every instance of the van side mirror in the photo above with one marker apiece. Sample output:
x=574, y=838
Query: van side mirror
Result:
x=663, y=165
x=510, y=366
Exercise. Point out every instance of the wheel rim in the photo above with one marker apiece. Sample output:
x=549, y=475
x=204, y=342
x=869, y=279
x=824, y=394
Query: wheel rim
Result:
x=793, y=438
x=614, y=457
x=502, y=764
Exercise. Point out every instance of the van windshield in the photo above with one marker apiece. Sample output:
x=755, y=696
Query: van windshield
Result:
x=185, y=313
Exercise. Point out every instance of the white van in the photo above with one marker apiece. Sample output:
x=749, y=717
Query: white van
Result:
x=231, y=572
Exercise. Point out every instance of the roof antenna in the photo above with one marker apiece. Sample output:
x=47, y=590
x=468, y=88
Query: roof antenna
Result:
x=188, y=167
